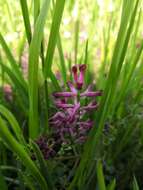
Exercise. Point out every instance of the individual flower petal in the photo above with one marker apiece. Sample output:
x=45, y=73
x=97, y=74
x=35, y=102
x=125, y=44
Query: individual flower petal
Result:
x=74, y=112
x=74, y=71
x=81, y=139
x=72, y=88
x=86, y=124
x=82, y=68
x=80, y=81
x=64, y=94
x=57, y=123
x=90, y=106
x=61, y=105
x=91, y=94
x=58, y=115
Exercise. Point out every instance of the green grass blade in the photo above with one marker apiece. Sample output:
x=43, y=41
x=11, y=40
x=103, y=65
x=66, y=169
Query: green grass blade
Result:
x=26, y=19
x=112, y=185
x=129, y=75
x=58, y=11
x=33, y=70
x=76, y=38
x=100, y=176
x=135, y=184
x=55, y=82
x=62, y=60
x=36, y=9
x=14, y=124
x=28, y=181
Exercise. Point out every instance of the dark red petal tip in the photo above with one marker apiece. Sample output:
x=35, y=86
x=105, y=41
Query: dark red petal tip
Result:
x=74, y=69
x=82, y=67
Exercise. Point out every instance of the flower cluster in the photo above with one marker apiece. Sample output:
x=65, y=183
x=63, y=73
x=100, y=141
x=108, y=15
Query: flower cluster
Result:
x=69, y=121
x=47, y=146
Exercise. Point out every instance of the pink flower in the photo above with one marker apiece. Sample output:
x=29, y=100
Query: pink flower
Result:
x=68, y=122
x=78, y=79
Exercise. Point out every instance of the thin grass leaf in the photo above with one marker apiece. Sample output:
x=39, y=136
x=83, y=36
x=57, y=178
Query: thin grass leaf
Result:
x=28, y=182
x=77, y=24
x=14, y=124
x=25, y=14
x=33, y=70
x=100, y=176
x=9, y=168
x=58, y=12
x=62, y=60
x=112, y=185
x=55, y=82
x=36, y=9
x=135, y=184
x=129, y=75
x=21, y=47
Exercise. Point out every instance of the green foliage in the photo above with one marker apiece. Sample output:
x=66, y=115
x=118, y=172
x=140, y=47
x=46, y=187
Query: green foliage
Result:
x=33, y=70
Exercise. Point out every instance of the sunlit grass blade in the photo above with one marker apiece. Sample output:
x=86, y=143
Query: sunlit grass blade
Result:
x=14, y=124
x=62, y=60
x=26, y=19
x=33, y=70
x=76, y=40
x=135, y=184
x=112, y=185
x=58, y=12
x=129, y=75
x=19, y=150
x=36, y=9
x=100, y=176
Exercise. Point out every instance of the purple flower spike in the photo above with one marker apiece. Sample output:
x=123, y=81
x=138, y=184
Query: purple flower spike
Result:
x=71, y=123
